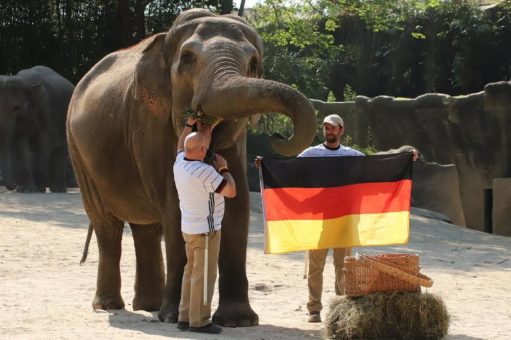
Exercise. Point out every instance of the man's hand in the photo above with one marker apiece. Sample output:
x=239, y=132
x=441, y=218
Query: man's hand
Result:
x=219, y=162
x=416, y=154
x=205, y=129
x=257, y=161
x=191, y=121
x=229, y=190
x=186, y=131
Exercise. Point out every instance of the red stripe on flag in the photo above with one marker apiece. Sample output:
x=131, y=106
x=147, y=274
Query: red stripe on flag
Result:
x=327, y=203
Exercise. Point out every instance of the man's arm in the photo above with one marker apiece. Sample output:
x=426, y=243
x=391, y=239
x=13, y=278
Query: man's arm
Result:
x=229, y=189
x=257, y=161
x=206, y=130
x=186, y=131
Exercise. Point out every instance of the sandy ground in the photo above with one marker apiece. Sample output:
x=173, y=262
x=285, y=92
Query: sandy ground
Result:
x=46, y=294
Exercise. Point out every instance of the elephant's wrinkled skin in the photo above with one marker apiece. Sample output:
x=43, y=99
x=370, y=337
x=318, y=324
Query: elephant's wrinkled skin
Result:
x=123, y=123
x=33, y=149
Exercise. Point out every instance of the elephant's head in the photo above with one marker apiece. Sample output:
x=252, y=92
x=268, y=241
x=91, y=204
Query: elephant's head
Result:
x=17, y=115
x=213, y=63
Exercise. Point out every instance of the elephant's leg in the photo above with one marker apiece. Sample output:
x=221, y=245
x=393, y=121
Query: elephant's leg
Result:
x=160, y=186
x=150, y=277
x=109, y=236
x=176, y=260
x=108, y=230
x=234, y=308
x=41, y=164
x=57, y=170
x=22, y=171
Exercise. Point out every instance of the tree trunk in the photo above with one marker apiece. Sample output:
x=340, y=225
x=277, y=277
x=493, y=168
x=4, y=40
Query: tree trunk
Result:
x=140, y=32
x=226, y=7
x=124, y=28
x=242, y=8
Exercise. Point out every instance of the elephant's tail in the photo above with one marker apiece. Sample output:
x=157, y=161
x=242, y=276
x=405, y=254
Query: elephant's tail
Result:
x=86, y=247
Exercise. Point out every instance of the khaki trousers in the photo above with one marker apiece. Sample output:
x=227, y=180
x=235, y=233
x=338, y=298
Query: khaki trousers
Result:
x=317, y=259
x=191, y=307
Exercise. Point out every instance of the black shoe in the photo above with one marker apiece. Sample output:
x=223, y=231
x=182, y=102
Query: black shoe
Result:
x=209, y=329
x=183, y=325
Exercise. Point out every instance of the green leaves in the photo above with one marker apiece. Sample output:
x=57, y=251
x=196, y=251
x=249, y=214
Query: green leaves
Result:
x=330, y=25
x=72, y=35
x=294, y=25
x=418, y=35
x=374, y=47
x=299, y=44
x=205, y=119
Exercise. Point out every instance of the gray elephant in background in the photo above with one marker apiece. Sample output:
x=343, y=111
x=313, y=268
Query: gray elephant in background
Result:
x=33, y=147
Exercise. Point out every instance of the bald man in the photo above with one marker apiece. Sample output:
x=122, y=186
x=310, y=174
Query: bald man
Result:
x=201, y=189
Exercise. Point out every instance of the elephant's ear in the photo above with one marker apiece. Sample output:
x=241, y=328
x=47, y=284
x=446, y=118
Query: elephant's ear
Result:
x=152, y=80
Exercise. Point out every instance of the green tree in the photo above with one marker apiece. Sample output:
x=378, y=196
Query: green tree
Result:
x=70, y=36
x=299, y=50
x=299, y=45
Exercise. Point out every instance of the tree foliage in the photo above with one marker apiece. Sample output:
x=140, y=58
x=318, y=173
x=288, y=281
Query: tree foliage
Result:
x=341, y=48
x=399, y=48
x=299, y=50
x=299, y=44
x=70, y=36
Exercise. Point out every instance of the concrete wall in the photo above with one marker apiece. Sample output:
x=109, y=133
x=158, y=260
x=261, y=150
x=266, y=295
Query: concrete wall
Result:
x=501, y=212
x=435, y=187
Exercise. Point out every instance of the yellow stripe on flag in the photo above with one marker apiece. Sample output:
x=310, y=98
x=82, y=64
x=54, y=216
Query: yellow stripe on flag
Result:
x=344, y=232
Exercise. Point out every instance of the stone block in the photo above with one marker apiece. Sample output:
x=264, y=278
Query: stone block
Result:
x=501, y=212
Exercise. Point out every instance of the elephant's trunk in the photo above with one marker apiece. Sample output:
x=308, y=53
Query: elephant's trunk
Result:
x=6, y=160
x=240, y=96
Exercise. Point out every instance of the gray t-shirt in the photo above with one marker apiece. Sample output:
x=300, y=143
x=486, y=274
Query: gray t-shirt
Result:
x=322, y=151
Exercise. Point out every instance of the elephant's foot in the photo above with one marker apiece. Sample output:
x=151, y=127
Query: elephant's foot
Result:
x=149, y=304
x=60, y=189
x=107, y=303
x=235, y=314
x=169, y=313
x=27, y=189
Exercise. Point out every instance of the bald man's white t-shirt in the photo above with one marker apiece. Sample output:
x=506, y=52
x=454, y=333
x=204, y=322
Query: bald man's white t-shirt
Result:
x=198, y=185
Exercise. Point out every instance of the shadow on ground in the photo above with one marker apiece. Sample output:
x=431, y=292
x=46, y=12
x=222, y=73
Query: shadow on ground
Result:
x=148, y=323
x=57, y=208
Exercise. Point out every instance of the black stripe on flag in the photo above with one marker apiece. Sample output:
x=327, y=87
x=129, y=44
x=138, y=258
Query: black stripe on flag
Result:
x=324, y=172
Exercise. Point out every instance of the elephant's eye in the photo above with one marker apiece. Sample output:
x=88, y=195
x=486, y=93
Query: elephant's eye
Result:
x=186, y=58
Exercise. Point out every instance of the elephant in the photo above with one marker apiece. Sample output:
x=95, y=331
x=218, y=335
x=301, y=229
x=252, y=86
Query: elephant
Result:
x=123, y=125
x=33, y=150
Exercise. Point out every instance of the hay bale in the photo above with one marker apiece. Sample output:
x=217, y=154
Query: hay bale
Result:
x=387, y=315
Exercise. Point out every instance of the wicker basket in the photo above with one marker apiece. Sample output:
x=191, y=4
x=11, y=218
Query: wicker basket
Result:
x=383, y=273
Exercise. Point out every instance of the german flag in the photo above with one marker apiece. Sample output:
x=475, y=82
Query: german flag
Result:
x=335, y=202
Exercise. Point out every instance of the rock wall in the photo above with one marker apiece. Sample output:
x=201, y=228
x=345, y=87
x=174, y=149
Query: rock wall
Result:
x=435, y=187
x=501, y=212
